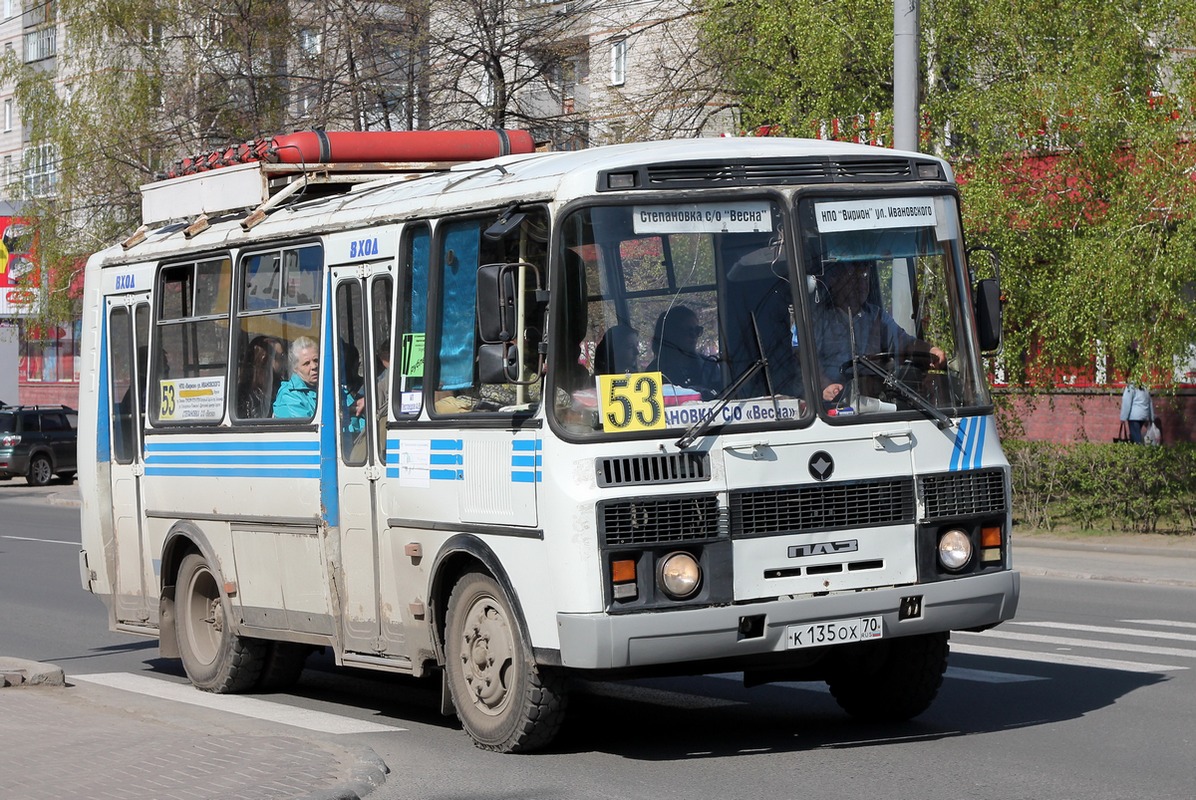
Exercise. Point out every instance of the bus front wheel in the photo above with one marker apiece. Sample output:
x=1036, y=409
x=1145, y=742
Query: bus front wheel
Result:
x=504, y=700
x=891, y=680
x=214, y=658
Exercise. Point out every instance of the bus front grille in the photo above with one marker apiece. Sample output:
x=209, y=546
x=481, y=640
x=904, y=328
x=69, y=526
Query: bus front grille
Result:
x=957, y=494
x=653, y=468
x=820, y=507
x=658, y=520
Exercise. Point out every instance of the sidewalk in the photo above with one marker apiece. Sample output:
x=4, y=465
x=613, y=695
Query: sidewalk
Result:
x=69, y=742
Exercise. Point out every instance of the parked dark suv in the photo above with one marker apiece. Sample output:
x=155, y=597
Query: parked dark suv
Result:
x=38, y=442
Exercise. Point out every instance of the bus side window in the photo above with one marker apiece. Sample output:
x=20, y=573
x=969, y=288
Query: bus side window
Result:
x=464, y=246
x=188, y=367
x=278, y=303
x=411, y=322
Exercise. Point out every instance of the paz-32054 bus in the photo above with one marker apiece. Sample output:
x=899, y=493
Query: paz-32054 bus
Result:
x=686, y=406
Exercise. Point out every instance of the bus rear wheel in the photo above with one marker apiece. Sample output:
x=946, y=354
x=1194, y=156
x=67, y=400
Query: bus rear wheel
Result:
x=892, y=680
x=214, y=658
x=504, y=700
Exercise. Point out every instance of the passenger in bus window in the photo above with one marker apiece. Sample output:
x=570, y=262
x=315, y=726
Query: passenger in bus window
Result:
x=847, y=323
x=261, y=374
x=675, y=342
x=618, y=351
x=297, y=395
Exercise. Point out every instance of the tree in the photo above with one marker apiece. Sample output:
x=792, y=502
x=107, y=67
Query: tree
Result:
x=153, y=81
x=1070, y=125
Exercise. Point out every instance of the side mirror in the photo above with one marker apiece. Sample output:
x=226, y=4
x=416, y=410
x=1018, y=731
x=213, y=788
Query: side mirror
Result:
x=504, y=333
x=988, y=315
x=986, y=294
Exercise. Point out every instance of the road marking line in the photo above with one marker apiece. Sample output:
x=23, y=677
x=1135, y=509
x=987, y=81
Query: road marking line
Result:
x=1095, y=644
x=33, y=539
x=1170, y=623
x=235, y=704
x=1061, y=658
x=988, y=676
x=1179, y=637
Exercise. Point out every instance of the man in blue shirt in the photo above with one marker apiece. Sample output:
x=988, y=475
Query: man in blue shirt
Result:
x=848, y=324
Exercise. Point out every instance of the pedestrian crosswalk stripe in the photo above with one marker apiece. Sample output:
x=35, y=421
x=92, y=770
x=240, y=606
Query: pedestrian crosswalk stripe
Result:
x=235, y=704
x=1096, y=644
x=1139, y=632
x=1061, y=658
x=1168, y=623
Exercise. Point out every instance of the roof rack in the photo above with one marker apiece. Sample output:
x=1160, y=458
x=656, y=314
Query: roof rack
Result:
x=257, y=176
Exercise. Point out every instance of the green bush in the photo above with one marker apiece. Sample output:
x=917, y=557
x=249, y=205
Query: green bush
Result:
x=1115, y=486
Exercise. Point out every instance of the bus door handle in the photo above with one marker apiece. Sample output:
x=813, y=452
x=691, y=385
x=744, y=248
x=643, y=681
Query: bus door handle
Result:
x=893, y=440
x=372, y=472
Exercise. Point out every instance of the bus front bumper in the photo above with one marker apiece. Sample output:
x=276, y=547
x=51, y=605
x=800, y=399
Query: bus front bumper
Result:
x=604, y=641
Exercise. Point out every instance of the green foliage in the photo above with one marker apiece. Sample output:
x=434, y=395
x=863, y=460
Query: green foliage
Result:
x=1069, y=123
x=1118, y=486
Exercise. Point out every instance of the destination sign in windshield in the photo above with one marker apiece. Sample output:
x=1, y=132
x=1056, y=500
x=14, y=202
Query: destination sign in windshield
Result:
x=888, y=212
x=748, y=216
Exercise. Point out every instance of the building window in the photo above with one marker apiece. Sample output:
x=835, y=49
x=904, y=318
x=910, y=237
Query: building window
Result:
x=7, y=177
x=10, y=8
x=618, y=62
x=41, y=170
x=8, y=115
x=309, y=42
x=40, y=44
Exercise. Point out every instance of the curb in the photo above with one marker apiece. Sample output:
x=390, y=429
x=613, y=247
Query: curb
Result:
x=1115, y=549
x=19, y=672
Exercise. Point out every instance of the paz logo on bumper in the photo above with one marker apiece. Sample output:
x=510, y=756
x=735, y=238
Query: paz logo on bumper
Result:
x=824, y=548
x=821, y=465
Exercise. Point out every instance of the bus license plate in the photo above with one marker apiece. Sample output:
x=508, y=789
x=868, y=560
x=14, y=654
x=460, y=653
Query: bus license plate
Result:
x=838, y=631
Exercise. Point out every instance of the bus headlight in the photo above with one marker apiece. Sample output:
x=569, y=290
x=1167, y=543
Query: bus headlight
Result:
x=679, y=575
x=955, y=550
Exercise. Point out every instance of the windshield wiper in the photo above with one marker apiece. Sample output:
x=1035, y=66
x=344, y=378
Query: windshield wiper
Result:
x=724, y=397
x=890, y=381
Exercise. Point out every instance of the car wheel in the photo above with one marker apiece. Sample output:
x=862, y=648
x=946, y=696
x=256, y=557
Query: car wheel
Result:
x=40, y=471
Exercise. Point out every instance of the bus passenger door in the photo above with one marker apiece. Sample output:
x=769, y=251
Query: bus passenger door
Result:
x=361, y=308
x=128, y=338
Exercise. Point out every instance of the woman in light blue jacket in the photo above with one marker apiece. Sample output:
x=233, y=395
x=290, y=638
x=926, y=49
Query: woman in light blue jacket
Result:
x=1137, y=410
x=297, y=394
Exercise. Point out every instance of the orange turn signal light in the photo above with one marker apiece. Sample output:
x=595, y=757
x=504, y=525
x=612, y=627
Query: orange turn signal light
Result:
x=622, y=571
x=990, y=537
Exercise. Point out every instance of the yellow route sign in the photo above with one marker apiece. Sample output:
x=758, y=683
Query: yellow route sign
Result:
x=631, y=402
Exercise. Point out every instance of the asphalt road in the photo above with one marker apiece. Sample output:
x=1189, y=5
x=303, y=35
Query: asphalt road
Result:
x=1088, y=693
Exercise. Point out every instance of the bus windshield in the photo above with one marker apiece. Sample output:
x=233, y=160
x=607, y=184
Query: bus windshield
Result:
x=684, y=313
x=886, y=306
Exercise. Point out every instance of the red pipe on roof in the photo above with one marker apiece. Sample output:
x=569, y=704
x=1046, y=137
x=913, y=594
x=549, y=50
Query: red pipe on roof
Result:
x=332, y=147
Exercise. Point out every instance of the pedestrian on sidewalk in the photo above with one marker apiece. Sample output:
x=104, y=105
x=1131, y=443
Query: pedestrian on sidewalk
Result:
x=1137, y=410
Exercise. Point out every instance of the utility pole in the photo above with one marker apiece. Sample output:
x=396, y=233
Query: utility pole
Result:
x=905, y=74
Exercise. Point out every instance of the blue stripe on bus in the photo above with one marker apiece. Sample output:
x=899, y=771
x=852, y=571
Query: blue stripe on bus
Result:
x=447, y=475
x=242, y=444
x=448, y=444
x=329, y=491
x=230, y=472
x=968, y=452
x=446, y=458
x=158, y=460
x=526, y=461
x=103, y=415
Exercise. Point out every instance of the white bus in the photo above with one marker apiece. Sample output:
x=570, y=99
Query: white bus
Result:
x=661, y=408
